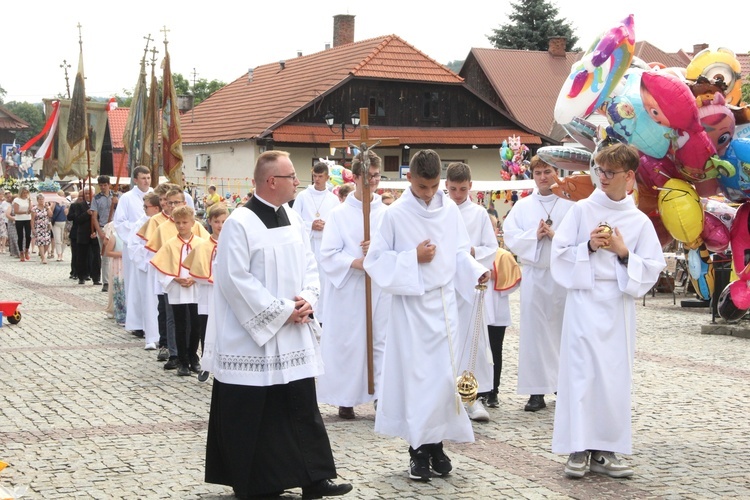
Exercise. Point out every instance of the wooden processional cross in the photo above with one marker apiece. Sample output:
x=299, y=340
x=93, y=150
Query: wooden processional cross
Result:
x=366, y=144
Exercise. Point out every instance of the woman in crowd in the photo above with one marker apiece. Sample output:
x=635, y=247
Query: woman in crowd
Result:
x=40, y=216
x=59, y=219
x=22, y=209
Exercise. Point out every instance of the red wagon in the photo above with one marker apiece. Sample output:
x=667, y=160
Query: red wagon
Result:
x=10, y=311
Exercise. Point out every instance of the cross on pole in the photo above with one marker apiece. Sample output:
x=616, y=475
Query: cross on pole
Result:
x=366, y=144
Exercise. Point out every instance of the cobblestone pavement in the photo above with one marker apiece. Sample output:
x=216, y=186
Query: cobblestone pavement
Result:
x=85, y=412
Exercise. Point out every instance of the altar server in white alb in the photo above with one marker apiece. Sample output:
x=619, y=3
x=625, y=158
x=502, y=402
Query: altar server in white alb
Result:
x=128, y=214
x=483, y=247
x=606, y=254
x=528, y=231
x=314, y=204
x=343, y=344
x=421, y=255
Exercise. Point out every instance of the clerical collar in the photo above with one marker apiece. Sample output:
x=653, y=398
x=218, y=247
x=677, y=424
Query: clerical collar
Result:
x=265, y=202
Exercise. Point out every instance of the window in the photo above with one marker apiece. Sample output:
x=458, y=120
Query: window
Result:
x=430, y=105
x=391, y=164
x=377, y=106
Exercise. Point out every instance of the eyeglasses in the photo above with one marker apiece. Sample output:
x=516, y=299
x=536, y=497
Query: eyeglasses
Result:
x=609, y=174
x=375, y=176
x=293, y=176
x=174, y=203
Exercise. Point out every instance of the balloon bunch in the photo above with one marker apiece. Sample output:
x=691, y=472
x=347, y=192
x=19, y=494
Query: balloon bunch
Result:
x=337, y=175
x=693, y=135
x=514, y=159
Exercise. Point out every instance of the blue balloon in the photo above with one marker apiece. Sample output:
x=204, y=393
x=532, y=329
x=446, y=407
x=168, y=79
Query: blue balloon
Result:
x=737, y=186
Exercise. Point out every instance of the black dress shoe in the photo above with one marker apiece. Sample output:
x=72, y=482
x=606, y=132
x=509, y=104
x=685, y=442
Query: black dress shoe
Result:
x=346, y=412
x=105, y=288
x=97, y=282
x=326, y=488
x=536, y=403
x=81, y=282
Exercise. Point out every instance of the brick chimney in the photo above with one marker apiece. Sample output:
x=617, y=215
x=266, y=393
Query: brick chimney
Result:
x=557, y=46
x=343, y=29
x=698, y=47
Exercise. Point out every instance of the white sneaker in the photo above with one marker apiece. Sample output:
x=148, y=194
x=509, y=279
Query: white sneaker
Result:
x=477, y=412
x=576, y=464
x=606, y=462
x=150, y=346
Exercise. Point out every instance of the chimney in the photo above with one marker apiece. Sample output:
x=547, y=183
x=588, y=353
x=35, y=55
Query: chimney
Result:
x=299, y=53
x=557, y=46
x=328, y=46
x=282, y=65
x=698, y=47
x=343, y=29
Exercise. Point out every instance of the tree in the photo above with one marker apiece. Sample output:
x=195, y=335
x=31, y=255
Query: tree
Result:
x=33, y=114
x=455, y=66
x=533, y=23
x=2, y=94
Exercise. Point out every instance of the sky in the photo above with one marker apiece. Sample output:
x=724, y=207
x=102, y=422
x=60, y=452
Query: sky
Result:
x=226, y=38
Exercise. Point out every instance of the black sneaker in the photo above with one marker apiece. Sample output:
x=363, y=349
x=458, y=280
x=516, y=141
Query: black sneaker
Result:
x=105, y=287
x=419, y=464
x=172, y=364
x=440, y=462
x=492, y=401
x=183, y=371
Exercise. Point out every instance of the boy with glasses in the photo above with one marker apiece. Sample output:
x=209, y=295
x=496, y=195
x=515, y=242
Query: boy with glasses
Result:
x=605, y=253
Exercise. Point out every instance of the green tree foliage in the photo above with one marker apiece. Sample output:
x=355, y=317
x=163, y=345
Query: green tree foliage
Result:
x=2, y=94
x=531, y=25
x=455, y=66
x=746, y=90
x=33, y=114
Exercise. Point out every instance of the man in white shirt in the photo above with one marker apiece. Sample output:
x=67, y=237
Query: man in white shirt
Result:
x=127, y=215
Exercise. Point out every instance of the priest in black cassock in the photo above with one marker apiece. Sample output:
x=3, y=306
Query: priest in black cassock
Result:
x=265, y=432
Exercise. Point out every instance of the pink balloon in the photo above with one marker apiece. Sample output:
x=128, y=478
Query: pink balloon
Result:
x=739, y=238
x=657, y=171
x=715, y=234
x=740, y=293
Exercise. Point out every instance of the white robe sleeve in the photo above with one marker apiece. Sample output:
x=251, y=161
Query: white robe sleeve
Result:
x=394, y=272
x=522, y=242
x=261, y=314
x=334, y=260
x=645, y=263
x=468, y=270
x=485, y=250
x=569, y=259
x=311, y=281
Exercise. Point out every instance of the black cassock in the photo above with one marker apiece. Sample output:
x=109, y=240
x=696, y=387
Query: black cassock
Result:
x=269, y=438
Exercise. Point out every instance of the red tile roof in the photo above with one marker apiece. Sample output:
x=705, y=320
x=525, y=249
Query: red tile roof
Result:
x=9, y=121
x=117, y=118
x=649, y=53
x=314, y=133
x=246, y=108
x=527, y=82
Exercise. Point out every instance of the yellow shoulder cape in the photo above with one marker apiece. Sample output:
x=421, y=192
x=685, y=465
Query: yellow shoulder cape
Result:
x=507, y=271
x=168, y=260
x=200, y=260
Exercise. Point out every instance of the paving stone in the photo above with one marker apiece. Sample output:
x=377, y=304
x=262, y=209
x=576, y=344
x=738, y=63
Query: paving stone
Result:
x=86, y=412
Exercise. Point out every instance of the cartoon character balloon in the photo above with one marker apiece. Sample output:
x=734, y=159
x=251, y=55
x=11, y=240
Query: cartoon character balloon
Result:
x=721, y=63
x=593, y=78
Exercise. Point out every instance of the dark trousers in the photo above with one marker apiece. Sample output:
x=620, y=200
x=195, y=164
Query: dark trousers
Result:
x=186, y=332
x=496, y=335
x=73, y=254
x=88, y=261
x=202, y=323
x=23, y=228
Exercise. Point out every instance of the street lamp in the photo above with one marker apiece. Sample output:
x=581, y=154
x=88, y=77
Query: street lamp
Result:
x=344, y=127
